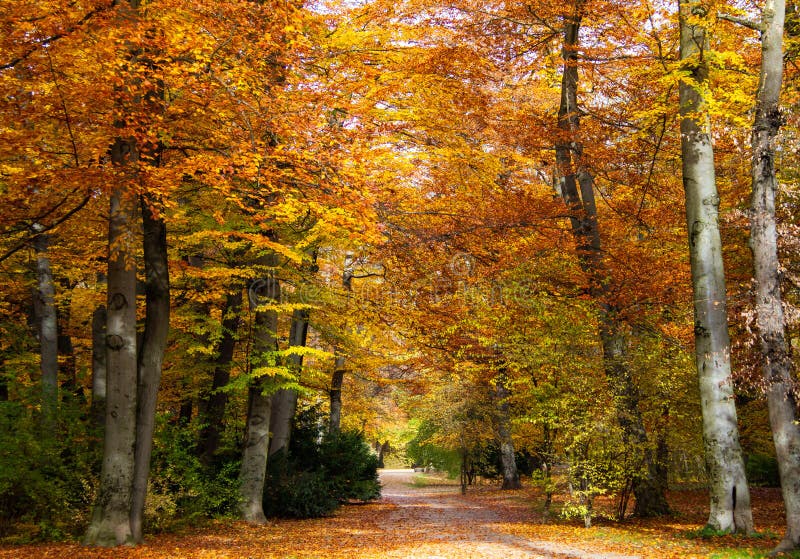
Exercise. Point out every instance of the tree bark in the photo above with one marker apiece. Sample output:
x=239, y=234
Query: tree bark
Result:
x=47, y=326
x=151, y=354
x=3, y=381
x=110, y=523
x=770, y=322
x=213, y=411
x=507, y=454
x=576, y=187
x=730, y=496
x=284, y=401
x=66, y=349
x=256, y=446
x=99, y=366
x=335, y=395
x=337, y=379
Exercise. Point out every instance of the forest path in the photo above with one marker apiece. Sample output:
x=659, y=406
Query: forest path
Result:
x=437, y=522
x=418, y=517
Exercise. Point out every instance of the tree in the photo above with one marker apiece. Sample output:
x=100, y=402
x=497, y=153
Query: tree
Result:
x=576, y=187
x=47, y=330
x=340, y=360
x=730, y=495
x=507, y=455
x=151, y=353
x=770, y=322
x=111, y=521
x=263, y=292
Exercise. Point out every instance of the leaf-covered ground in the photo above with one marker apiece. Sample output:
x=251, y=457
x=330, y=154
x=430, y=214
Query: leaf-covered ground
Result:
x=421, y=518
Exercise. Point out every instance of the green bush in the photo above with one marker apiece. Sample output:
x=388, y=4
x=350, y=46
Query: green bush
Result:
x=47, y=476
x=350, y=467
x=180, y=489
x=299, y=495
x=320, y=471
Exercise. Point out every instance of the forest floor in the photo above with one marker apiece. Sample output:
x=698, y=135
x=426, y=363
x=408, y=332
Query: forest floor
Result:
x=424, y=517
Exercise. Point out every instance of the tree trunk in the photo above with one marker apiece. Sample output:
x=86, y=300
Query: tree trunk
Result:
x=186, y=409
x=47, y=326
x=3, y=382
x=730, y=496
x=335, y=394
x=547, y=468
x=99, y=366
x=770, y=323
x=337, y=379
x=216, y=400
x=66, y=349
x=507, y=454
x=284, y=402
x=151, y=354
x=256, y=447
x=110, y=523
x=576, y=187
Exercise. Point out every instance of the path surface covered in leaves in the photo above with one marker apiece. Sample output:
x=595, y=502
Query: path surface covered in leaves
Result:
x=426, y=518
x=436, y=522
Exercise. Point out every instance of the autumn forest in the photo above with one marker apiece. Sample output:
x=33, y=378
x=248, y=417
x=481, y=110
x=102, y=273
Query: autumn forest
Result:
x=253, y=251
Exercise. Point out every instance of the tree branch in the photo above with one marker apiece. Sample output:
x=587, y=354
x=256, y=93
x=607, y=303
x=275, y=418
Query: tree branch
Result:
x=742, y=21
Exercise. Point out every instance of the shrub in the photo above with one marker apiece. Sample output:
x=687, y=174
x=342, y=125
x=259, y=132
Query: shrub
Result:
x=179, y=487
x=47, y=477
x=320, y=471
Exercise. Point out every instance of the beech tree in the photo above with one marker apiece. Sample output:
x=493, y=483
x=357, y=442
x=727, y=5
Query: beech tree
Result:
x=770, y=321
x=576, y=187
x=730, y=495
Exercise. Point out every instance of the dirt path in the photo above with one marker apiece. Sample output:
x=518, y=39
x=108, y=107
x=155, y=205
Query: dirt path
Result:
x=411, y=521
x=438, y=523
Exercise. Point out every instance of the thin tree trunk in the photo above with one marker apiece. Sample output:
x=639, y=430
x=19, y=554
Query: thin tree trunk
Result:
x=99, y=353
x=507, y=453
x=770, y=322
x=284, y=402
x=256, y=447
x=335, y=395
x=186, y=409
x=547, y=467
x=3, y=381
x=337, y=379
x=216, y=400
x=151, y=354
x=577, y=189
x=110, y=523
x=66, y=349
x=48, y=331
x=730, y=496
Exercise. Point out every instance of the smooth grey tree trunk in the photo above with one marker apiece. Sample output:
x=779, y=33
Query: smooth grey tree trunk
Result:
x=48, y=331
x=213, y=410
x=576, y=187
x=110, y=523
x=151, y=354
x=507, y=453
x=770, y=321
x=256, y=445
x=99, y=366
x=730, y=497
x=284, y=401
